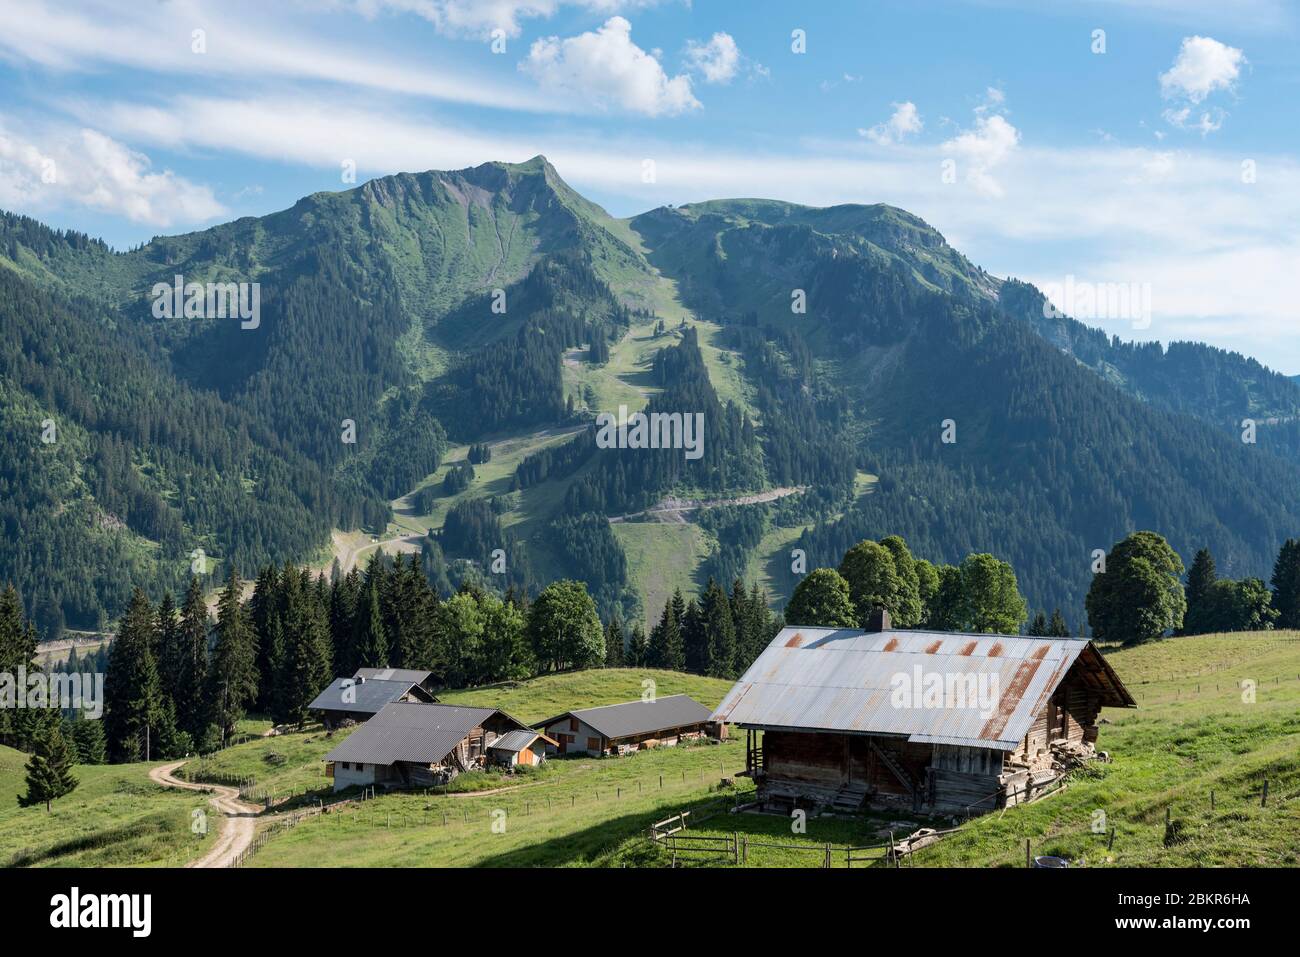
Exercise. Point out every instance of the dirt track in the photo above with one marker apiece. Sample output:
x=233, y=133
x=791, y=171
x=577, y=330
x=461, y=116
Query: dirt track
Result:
x=240, y=818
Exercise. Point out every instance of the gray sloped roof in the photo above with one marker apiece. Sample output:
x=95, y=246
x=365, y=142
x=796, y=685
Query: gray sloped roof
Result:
x=367, y=697
x=413, y=675
x=639, y=717
x=846, y=680
x=514, y=741
x=410, y=731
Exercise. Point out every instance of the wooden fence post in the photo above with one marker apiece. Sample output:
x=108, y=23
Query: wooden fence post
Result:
x=1263, y=800
x=1029, y=860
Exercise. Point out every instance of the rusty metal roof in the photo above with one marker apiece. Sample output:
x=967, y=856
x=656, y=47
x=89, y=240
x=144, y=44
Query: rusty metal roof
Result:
x=858, y=682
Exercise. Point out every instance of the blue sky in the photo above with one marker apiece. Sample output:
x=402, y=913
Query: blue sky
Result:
x=1170, y=161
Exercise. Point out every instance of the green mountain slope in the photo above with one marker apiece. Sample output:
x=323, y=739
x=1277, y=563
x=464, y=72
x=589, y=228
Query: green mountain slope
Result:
x=381, y=319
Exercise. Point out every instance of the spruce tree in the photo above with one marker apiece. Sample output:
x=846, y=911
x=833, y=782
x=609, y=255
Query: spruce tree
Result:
x=614, y=641
x=1286, y=585
x=1057, y=628
x=49, y=769
x=369, y=640
x=132, y=694
x=665, y=646
x=191, y=680
x=1200, y=595
x=638, y=647
x=719, y=632
x=695, y=642
x=169, y=651
x=1038, y=626
x=232, y=670
x=17, y=650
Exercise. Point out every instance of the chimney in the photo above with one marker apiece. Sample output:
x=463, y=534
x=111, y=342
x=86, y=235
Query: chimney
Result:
x=879, y=620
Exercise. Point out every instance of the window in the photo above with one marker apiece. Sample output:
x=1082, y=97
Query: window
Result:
x=573, y=724
x=593, y=744
x=345, y=766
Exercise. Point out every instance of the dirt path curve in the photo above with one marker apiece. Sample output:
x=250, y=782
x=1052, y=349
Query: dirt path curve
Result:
x=236, y=834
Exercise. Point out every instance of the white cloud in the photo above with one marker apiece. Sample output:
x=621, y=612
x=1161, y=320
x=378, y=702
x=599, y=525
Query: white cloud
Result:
x=1203, y=65
x=86, y=168
x=718, y=60
x=905, y=122
x=986, y=146
x=606, y=68
x=246, y=40
x=478, y=18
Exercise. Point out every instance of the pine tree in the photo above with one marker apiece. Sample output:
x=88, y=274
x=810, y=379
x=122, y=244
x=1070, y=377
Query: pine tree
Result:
x=665, y=646
x=191, y=680
x=232, y=671
x=1200, y=595
x=695, y=643
x=1286, y=585
x=168, y=651
x=49, y=769
x=132, y=694
x=344, y=594
x=17, y=650
x=303, y=669
x=369, y=640
x=614, y=641
x=638, y=647
x=719, y=632
x=87, y=737
x=1038, y=627
x=1057, y=628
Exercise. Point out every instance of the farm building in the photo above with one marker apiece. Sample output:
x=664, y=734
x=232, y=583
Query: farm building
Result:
x=935, y=720
x=360, y=698
x=412, y=744
x=519, y=747
x=416, y=677
x=619, y=728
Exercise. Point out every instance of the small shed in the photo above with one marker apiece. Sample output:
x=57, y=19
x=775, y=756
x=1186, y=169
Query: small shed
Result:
x=631, y=726
x=516, y=748
x=413, y=744
x=359, y=699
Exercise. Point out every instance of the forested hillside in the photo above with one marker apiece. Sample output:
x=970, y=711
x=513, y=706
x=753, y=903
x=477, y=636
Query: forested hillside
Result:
x=433, y=348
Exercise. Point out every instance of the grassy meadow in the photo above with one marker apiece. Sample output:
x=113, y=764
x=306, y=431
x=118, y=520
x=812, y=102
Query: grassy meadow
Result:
x=1217, y=714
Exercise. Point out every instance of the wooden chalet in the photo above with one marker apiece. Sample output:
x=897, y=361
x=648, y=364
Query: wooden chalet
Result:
x=412, y=744
x=631, y=726
x=935, y=720
x=359, y=699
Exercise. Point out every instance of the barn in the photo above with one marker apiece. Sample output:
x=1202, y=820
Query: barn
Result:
x=359, y=699
x=631, y=726
x=412, y=744
x=937, y=721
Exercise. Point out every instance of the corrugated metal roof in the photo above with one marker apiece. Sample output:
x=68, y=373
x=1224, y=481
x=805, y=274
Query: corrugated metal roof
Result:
x=410, y=731
x=851, y=681
x=639, y=717
x=365, y=697
x=412, y=675
x=514, y=741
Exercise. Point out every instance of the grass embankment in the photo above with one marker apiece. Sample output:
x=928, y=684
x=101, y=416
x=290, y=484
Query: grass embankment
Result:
x=116, y=817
